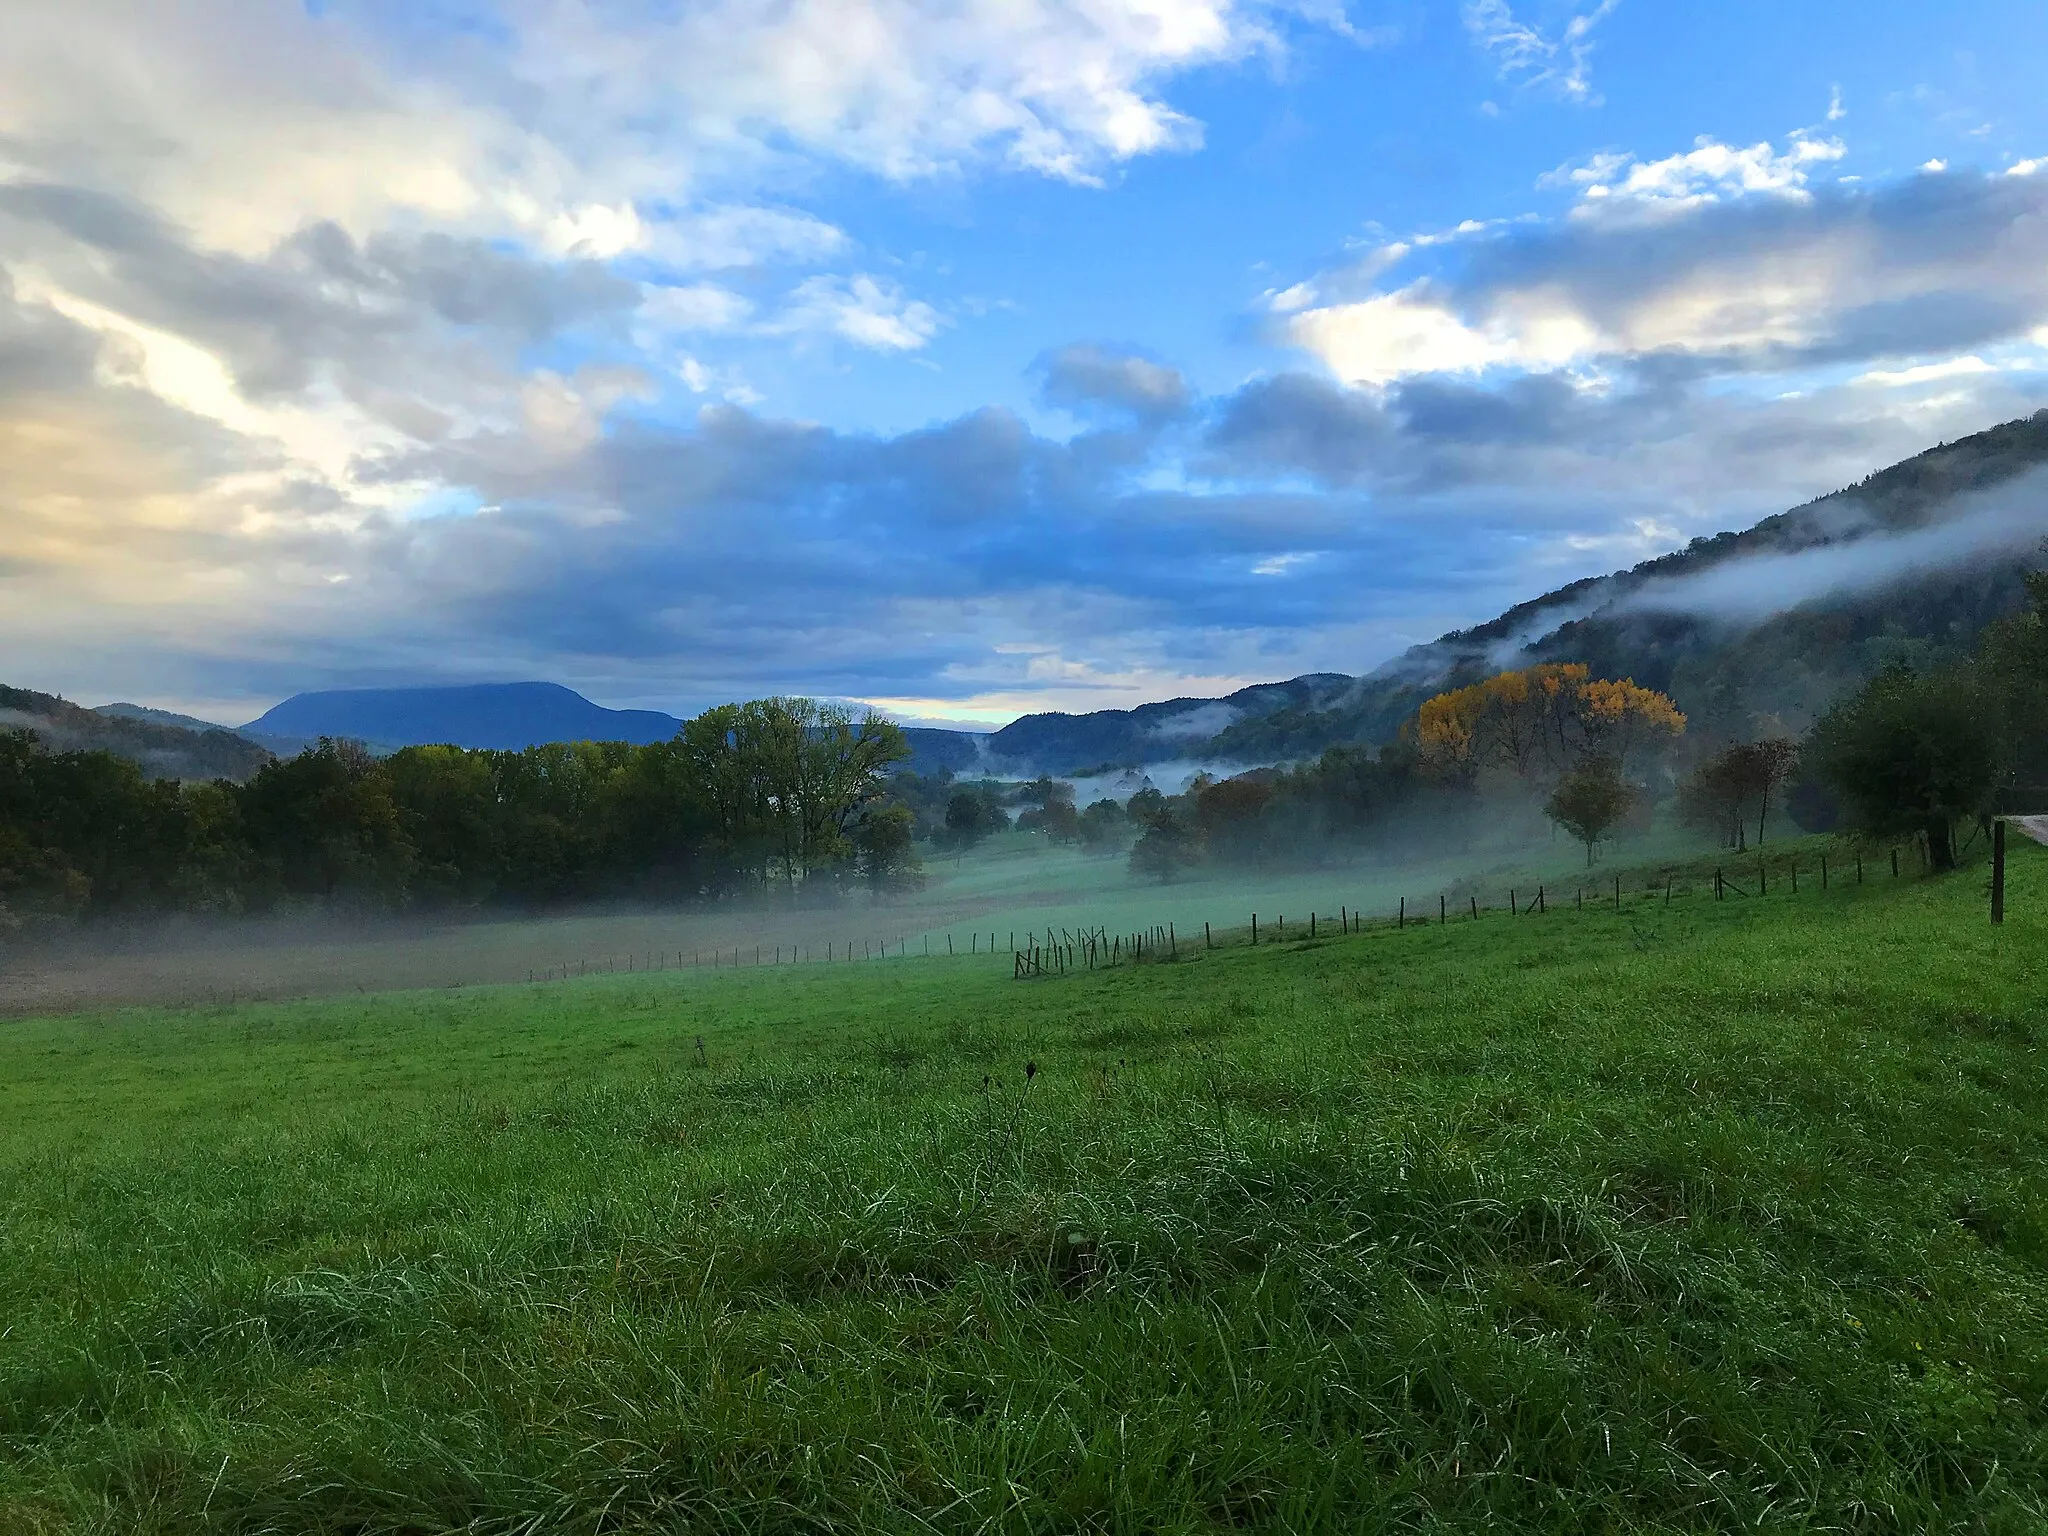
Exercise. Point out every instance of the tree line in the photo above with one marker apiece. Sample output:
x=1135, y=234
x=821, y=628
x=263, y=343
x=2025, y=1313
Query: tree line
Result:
x=784, y=794
x=1925, y=752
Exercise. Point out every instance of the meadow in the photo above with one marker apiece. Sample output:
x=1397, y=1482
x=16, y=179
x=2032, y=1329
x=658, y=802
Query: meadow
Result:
x=1682, y=1216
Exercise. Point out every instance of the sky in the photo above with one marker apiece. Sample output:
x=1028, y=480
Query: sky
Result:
x=965, y=358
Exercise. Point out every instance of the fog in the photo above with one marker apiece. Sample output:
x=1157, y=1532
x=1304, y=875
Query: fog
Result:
x=2005, y=524
x=1017, y=884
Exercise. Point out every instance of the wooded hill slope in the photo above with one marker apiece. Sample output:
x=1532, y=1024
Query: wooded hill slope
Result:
x=164, y=751
x=1755, y=630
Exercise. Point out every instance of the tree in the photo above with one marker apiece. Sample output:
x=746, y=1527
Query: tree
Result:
x=324, y=824
x=1104, y=827
x=1168, y=847
x=1229, y=816
x=1539, y=722
x=885, y=843
x=1057, y=819
x=2014, y=656
x=448, y=804
x=972, y=814
x=1913, y=753
x=1145, y=806
x=1718, y=794
x=1764, y=766
x=1714, y=798
x=1589, y=800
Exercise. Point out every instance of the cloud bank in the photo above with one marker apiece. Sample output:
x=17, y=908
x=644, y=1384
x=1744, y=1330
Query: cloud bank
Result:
x=338, y=348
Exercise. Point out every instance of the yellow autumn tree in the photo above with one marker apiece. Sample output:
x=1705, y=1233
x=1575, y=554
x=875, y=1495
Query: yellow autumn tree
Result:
x=1537, y=722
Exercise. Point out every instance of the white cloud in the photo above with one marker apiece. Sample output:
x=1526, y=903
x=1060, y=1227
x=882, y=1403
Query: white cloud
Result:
x=1927, y=373
x=1720, y=254
x=1409, y=332
x=1562, y=62
x=692, y=307
x=863, y=310
x=1708, y=172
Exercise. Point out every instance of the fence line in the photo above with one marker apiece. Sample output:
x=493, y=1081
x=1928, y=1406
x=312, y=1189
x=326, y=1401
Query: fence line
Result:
x=1059, y=949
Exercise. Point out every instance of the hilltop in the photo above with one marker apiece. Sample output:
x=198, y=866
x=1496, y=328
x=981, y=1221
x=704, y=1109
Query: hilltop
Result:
x=163, y=749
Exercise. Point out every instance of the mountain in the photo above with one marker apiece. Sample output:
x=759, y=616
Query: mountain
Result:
x=507, y=716
x=1749, y=631
x=510, y=716
x=150, y=716
x=1757, y=630
x=1151, y=733
x=164, y=750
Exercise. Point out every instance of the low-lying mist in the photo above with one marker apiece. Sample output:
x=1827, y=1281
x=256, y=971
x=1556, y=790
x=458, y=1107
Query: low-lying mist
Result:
x=1995, y=526
x=1017, y=885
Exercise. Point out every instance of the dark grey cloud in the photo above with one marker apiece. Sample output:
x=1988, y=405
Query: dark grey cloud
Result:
x=1089, y=379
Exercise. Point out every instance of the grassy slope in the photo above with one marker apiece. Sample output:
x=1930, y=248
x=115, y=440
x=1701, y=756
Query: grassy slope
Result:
x=1702, y=1217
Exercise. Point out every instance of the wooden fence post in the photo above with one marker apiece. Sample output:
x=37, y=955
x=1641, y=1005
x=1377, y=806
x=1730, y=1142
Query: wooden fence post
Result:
x=1401, y=920
x=1998, y=870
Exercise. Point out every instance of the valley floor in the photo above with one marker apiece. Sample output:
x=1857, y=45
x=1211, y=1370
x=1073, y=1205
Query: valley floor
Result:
x=1015, y=884
x=1690, y=1215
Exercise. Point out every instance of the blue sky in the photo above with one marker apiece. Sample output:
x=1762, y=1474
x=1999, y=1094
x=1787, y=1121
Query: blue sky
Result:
x=969, y=359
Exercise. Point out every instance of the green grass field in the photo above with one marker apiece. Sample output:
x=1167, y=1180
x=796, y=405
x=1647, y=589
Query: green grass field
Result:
x=1711, y=1216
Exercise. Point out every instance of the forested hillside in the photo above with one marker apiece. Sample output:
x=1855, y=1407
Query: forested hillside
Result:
x=160, y=750
x=1752, y=631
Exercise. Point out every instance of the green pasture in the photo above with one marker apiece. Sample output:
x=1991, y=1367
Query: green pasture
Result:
x=1684, y=1217
x=1017, y=883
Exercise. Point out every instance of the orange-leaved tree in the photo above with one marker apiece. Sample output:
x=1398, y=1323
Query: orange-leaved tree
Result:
x=1538, y=722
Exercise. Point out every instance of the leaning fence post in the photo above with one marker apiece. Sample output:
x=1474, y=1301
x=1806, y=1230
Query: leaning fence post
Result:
x=1401, y=921
x=1617, y=893
x=1442, y=909
x=1540, y=907
x=1255, y=928
x=1475, y=909
x=1513, y=910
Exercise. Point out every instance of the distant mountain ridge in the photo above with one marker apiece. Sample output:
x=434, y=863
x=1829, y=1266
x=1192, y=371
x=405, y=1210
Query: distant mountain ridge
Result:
x=501, y=716
x=162, y=749
x=513, y=716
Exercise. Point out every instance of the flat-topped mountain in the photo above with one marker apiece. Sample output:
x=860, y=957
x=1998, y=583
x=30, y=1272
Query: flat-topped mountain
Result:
x=507, y=716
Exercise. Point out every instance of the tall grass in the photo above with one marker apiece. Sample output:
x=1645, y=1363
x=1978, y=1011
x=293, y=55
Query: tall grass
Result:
x=1709, y=1216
